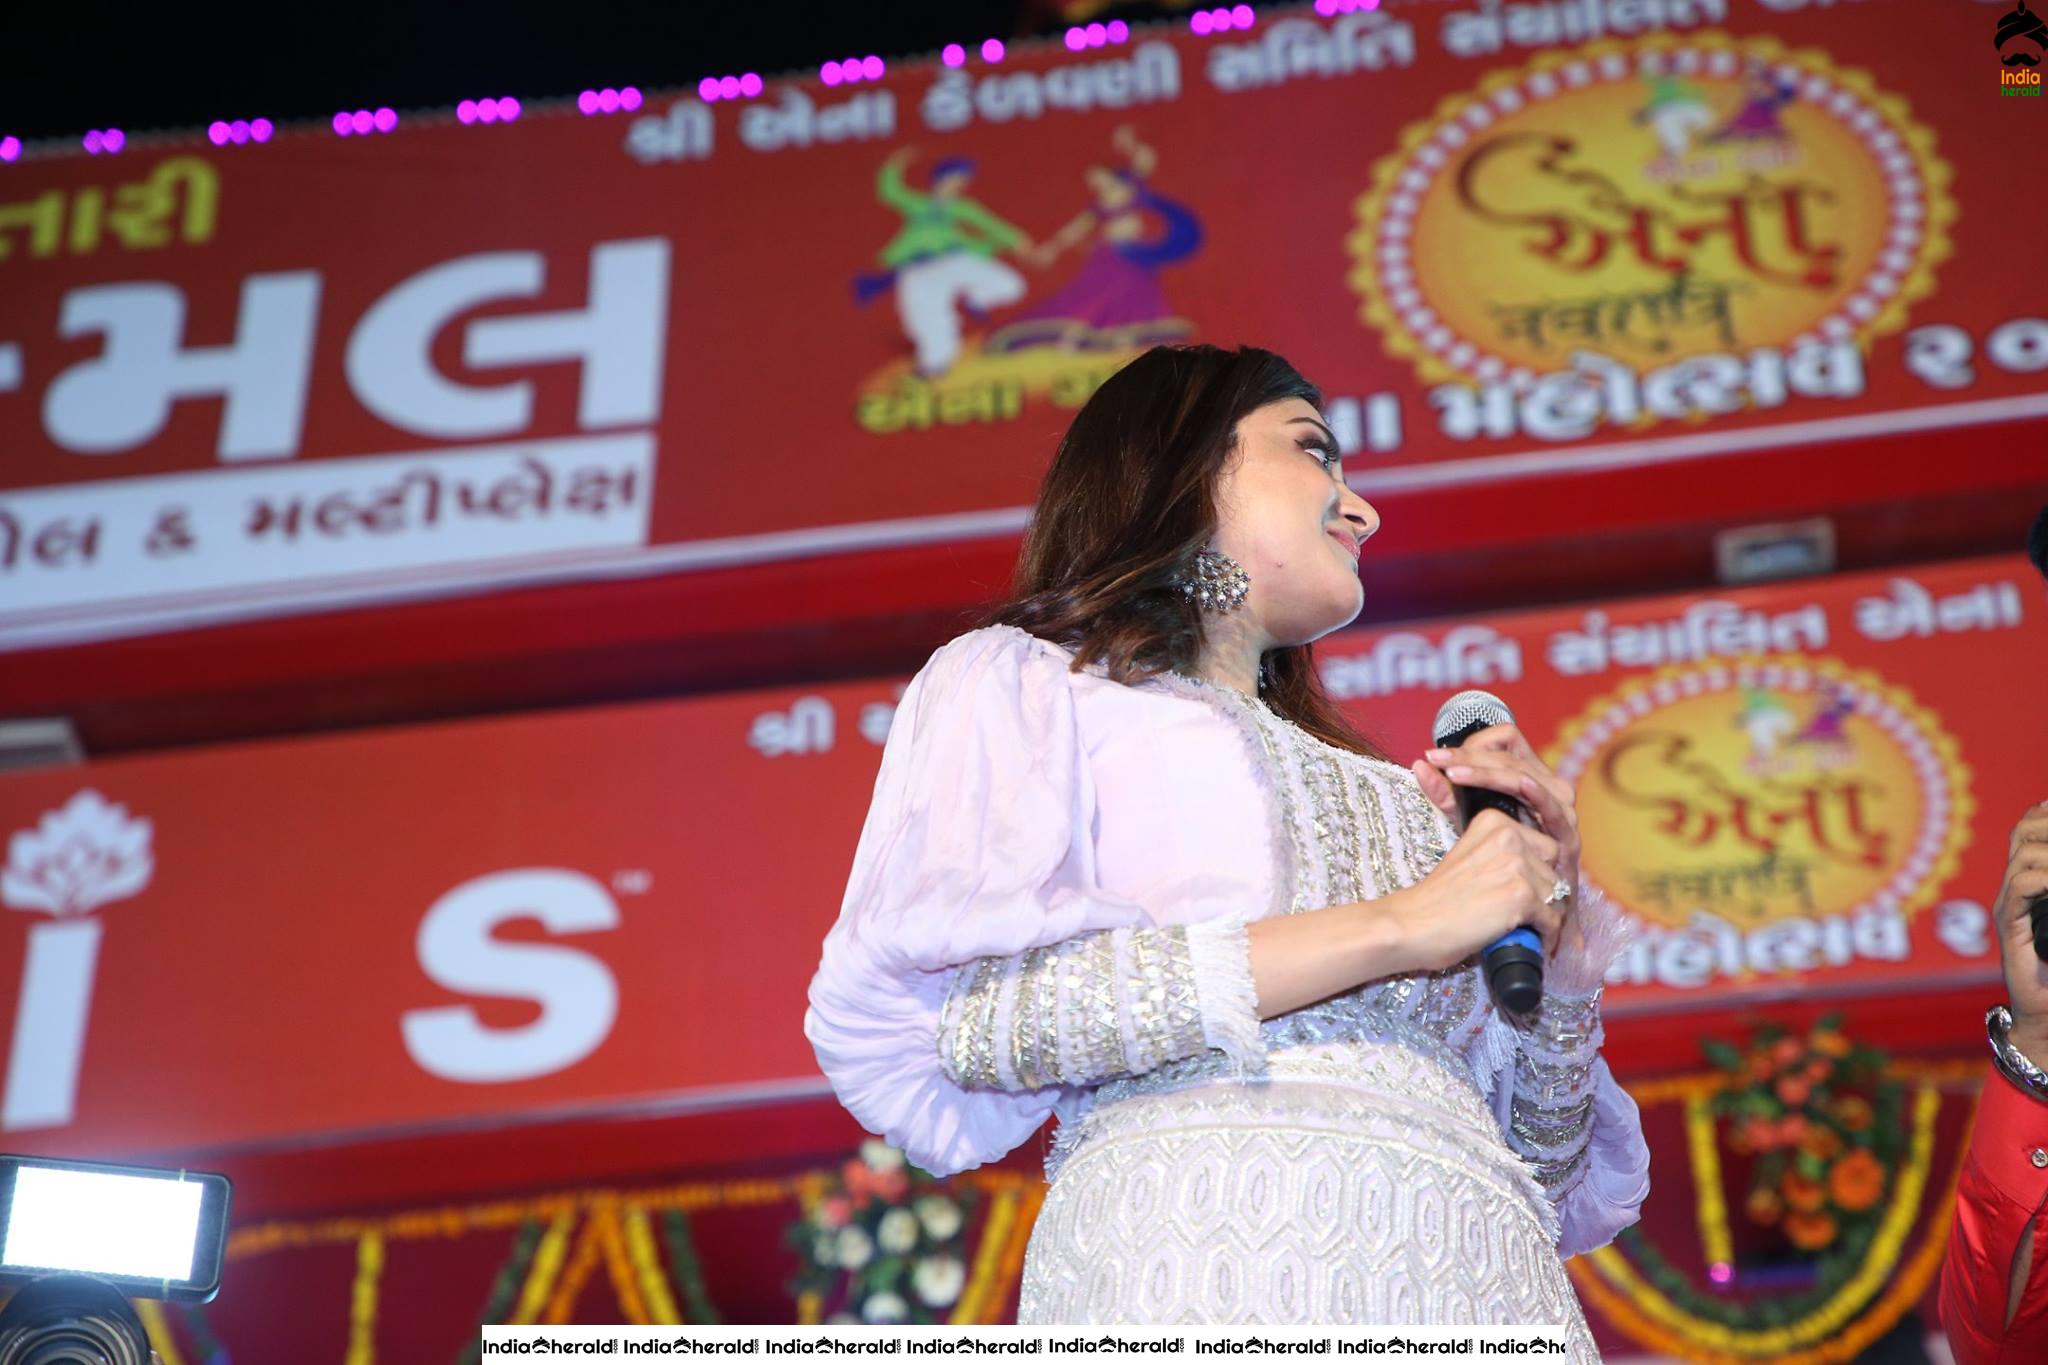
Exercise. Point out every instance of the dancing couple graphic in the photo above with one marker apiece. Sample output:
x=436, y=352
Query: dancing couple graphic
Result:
x=947, y=258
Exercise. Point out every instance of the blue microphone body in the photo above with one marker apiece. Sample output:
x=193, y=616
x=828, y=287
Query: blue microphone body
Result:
x=1512, y=963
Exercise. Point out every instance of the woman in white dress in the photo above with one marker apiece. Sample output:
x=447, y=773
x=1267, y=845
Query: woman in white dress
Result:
x=1127, y=864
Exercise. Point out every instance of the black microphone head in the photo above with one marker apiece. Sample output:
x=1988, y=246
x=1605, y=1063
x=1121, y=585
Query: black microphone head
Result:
x=1465, y=713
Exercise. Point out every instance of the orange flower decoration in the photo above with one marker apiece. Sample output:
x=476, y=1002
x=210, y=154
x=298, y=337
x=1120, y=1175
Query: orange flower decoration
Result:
x=1853, y=1112
x=1793, y=1090
x=1830, y=1043
x=1786, y=1051
x=1824, y=1143
x=1856, y=1181
x=1809, y=1231
x=1765, y=1206
x=1802, y=1194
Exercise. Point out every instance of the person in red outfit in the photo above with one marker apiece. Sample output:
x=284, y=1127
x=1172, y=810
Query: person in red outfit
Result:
x=1994, y=1284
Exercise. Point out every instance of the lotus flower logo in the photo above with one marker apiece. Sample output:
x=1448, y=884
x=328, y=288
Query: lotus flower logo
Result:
x=78, y=859
x=75, y=860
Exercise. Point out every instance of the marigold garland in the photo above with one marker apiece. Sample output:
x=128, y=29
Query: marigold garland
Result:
x=1686, y=1333
x=362, y=1316
x=1716, y=1242
x=686, y=1268
x=995, y=1237
x=547, y=1264
x=654, y=1289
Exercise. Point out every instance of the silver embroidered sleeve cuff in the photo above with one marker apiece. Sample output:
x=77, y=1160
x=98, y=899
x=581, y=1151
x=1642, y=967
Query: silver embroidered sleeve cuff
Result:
x=1116, y=1002
x=1550, y=1119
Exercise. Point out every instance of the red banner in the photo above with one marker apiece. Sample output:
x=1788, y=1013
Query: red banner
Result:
x=1797, y=789
x=1512, y=240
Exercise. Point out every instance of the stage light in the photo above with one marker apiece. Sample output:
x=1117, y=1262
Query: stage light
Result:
x=992, y=50
x=954, y=55
x=10, y=148
x=220, y=132
x=488, y=110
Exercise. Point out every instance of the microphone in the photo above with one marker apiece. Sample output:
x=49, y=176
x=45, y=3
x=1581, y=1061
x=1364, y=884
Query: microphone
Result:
x=1514, y=961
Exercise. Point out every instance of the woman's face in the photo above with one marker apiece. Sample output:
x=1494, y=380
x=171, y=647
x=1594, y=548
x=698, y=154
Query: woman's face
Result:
x=1111, y=190
x=1287, y=516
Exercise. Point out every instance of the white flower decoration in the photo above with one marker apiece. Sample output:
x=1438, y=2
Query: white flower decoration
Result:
x=938, y=1280
x=885, y=1307
x=825, y=1249
x=897, y=1232
x=881, y=1156
x=856, y=1248
x=77, y=859
x=940, y=1216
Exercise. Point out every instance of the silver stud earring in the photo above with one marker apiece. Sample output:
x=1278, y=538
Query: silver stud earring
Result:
x=1216, y=583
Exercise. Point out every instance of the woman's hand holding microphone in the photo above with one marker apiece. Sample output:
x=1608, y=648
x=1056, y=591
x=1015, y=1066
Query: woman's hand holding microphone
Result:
x=1497, y=877
x=1500, y=874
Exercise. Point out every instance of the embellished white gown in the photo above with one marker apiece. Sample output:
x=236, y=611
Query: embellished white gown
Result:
x=1046, y=915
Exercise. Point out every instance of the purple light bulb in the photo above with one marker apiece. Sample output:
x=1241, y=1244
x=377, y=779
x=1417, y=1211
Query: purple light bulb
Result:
x=386, y=119
x=1096, y=34
x=342, y=124
x=1200, y=22
x=629, y=98
x=728, y=87
x=363, y=120
x=587, y=101
x=10, y=148
x=750, y=85
x=508, y=108
x=1118, y=30
x=466, y=111
x=1075, y=40
x=113, y=139
x=217, y=133
x=260, y=129
x=992, y=50
x=829, y=73
x=953, y=55
x=874, y=68
x=1243, y=15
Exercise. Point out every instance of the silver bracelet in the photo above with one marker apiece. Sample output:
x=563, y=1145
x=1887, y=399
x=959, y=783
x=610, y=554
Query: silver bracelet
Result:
x=2013, y=1064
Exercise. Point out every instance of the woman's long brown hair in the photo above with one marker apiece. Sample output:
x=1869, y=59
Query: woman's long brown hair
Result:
x=1129, y=499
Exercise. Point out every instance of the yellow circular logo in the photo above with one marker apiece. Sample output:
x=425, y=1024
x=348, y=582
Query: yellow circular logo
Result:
x=1650, y=201
x=1775, y=787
